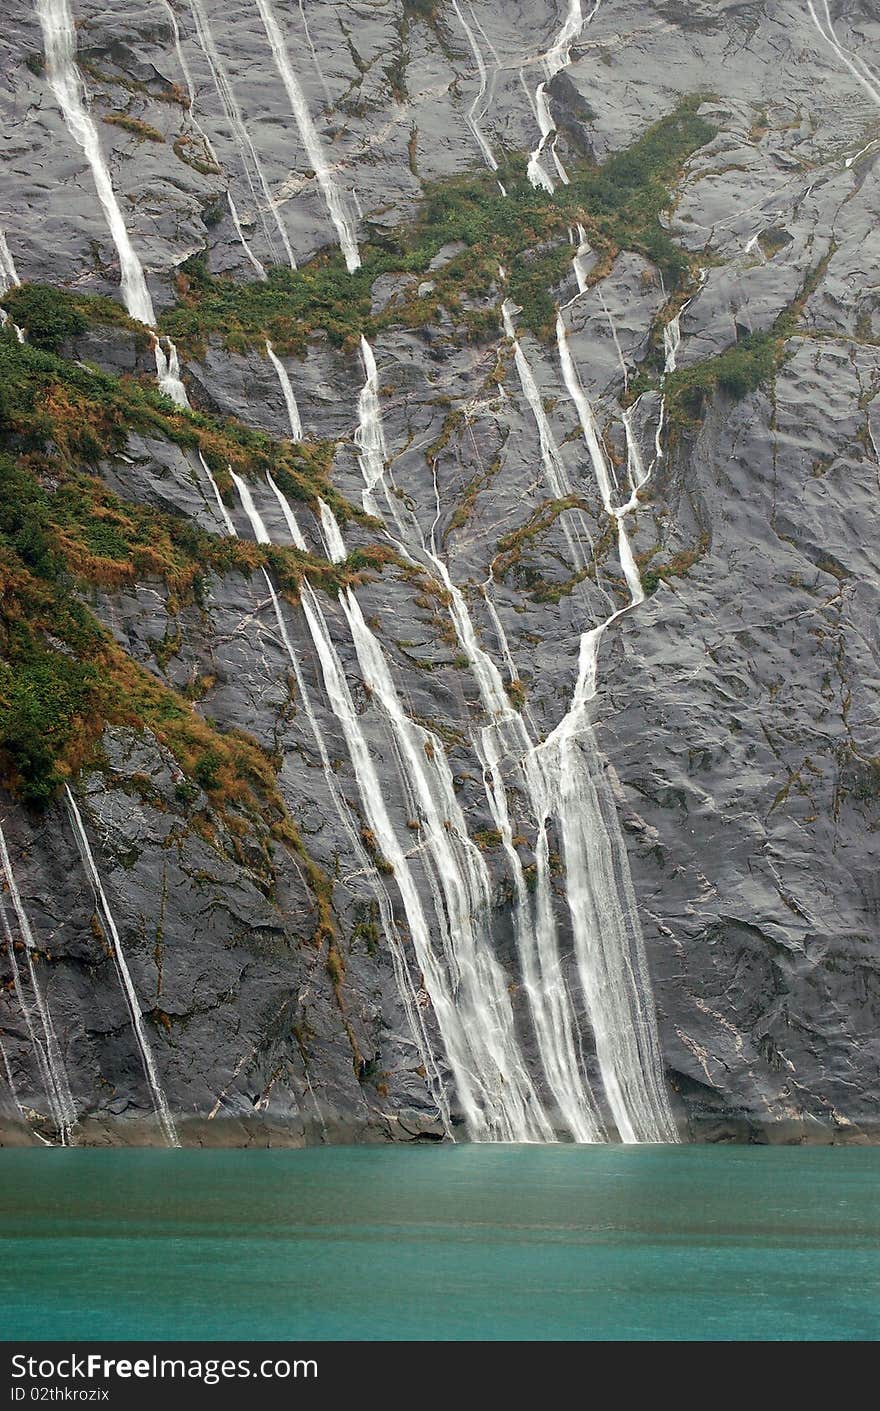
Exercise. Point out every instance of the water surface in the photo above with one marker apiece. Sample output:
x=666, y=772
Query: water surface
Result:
x=451, y=1242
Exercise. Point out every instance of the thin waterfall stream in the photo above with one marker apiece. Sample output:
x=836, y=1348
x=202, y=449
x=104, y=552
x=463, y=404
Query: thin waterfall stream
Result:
x=441, y=880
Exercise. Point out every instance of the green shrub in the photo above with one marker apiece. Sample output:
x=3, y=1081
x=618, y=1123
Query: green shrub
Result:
x=206, y=770
x=525, y=231
x=42, y=693
x=47, y=315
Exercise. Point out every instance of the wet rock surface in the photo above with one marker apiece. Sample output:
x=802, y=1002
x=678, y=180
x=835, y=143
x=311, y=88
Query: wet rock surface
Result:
x=736, y=710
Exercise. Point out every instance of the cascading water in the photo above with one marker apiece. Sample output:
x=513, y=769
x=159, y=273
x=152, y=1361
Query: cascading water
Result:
x=366, y=866
x=564, y=779
x=8, y=279
x=293, y=416
x=151, y=1072
x=168, y=373
x=442, y=880
x=550, y=1006
x=246, y=149
x=477, y=110
x=578, y=262
x=59, y=42
x=208, y=144
x=370, y=437
x=8, y=272
x=310, y=139
x=467, y=987
x=554, y=468
x=856, y=65
x=605, y=922
x=63, y=76
x=557, y=57
x=47, y=1049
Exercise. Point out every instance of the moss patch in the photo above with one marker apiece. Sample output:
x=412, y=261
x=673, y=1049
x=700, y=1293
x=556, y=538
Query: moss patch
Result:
x=63, y=532
x=525, y=232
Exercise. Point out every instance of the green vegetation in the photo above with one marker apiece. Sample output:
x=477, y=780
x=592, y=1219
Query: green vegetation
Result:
x=49, y=315
x=619, y=204
x=142, y=130
x=488, y=839
x=750, y=363
x=47, y=318
x=510, y=547
x=286, y=308
x=88, y=415
x=678, y=566
x=740, y=369
x=167, y=93
x=63, y=534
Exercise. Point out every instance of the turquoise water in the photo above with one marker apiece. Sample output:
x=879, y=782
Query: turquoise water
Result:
x=453, y=1242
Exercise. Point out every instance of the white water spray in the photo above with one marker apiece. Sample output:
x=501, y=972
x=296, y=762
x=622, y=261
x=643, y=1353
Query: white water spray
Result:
x=293, y=416
x=310, y=139
x=477, y=110
x=8, y=279
x=467, y=987
x=557, y=57
x=208, y=144
x=247, y=152
x=46, y=1048
x=166, y=1122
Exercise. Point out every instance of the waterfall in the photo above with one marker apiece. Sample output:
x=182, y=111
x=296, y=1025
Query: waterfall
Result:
x=47, y=1049
x=554, y=469
x=610, y=945
x=168, y=373
x=550, y=1005
x=59, y=42
x=494, y=54
x=209, y=146
x=671, y=341
x=856, y=65
x=370, y=436
x=671, y=344
x=534, y=171
x=557, y=57
x=564, y=778
x=293, y=528
x=320, y=634
x=477, y=110
x=552, y=1014
x=8, y=279
x=442, y=879
x=246, y=149
x=8, y=272
x=296, y=428
x=166, y=1122
x=579, y=258
x=309, y=137
x=467, y=987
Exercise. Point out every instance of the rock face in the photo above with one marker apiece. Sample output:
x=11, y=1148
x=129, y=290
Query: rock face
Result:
x=736, y=725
